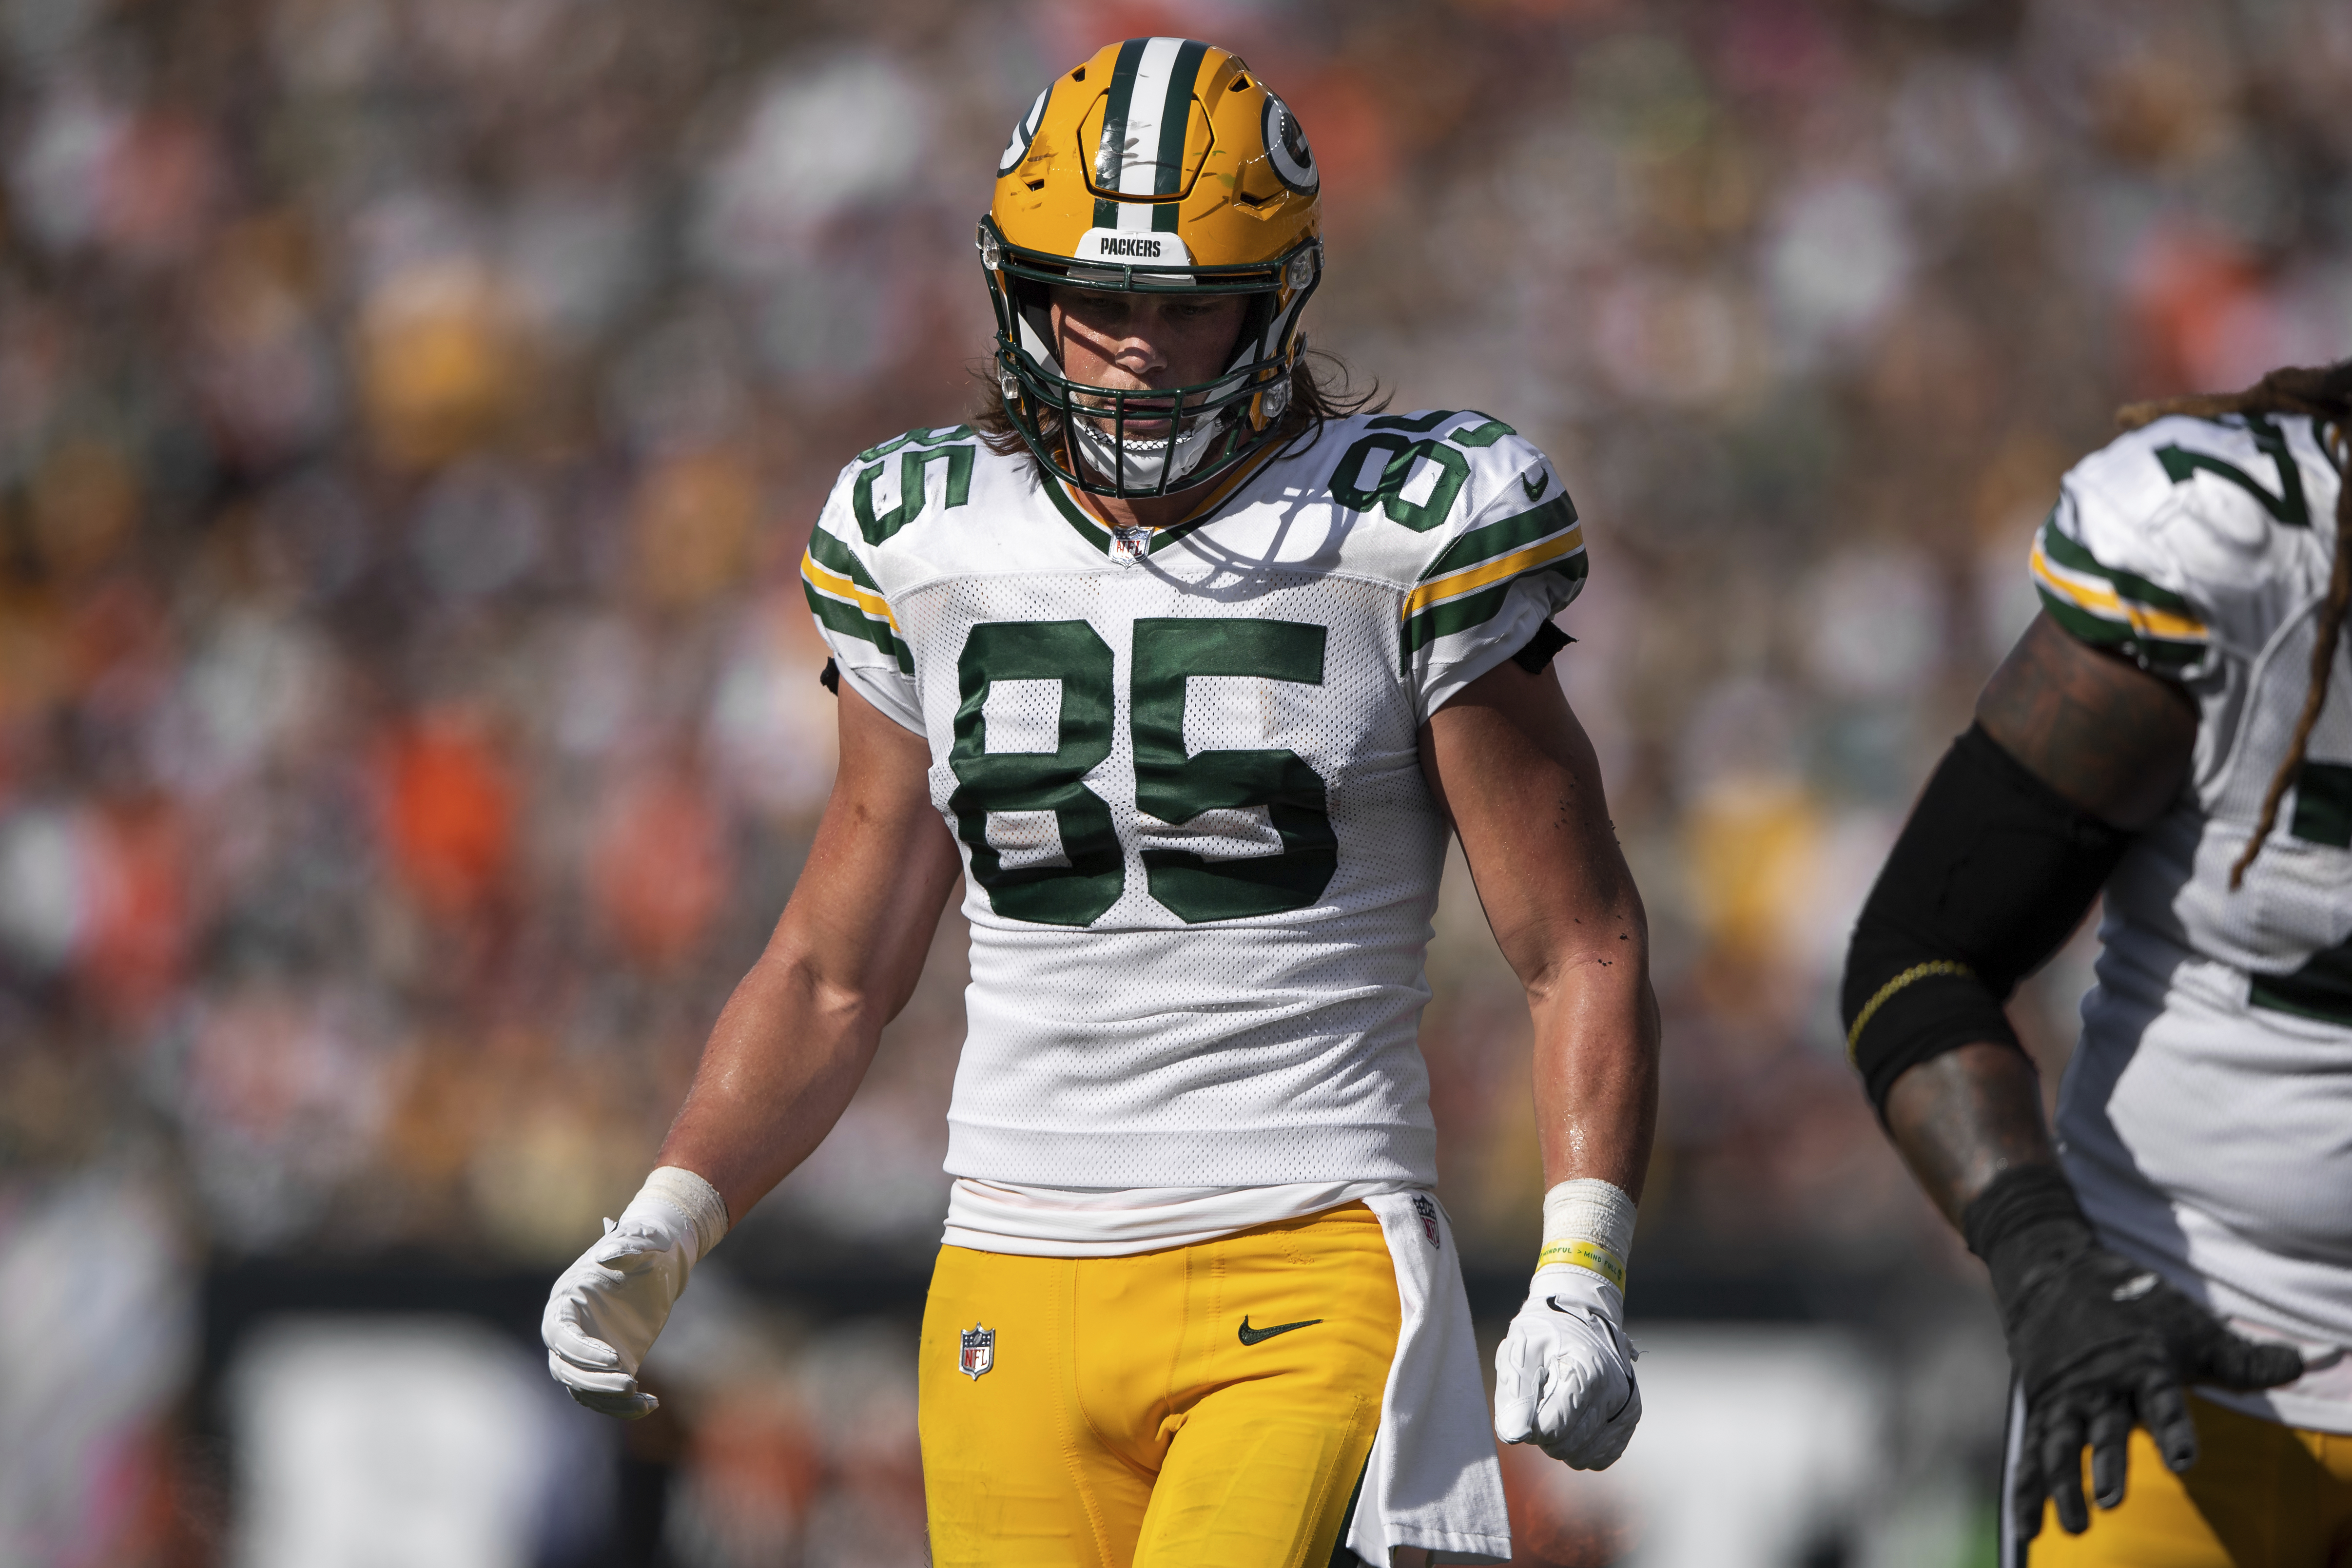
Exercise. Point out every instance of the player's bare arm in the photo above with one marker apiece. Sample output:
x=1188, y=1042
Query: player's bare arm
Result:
x=2114, y=740
x=786, y=1054
x=1512, y=767
x=794, y=1040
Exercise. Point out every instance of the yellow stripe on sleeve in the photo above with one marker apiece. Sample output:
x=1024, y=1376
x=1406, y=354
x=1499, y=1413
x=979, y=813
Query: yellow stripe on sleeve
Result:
x=1470, y=579
x=831, y=583
x=2099, y=598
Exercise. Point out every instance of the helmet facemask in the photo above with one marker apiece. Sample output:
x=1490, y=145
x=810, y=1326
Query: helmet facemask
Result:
x=1080, y=433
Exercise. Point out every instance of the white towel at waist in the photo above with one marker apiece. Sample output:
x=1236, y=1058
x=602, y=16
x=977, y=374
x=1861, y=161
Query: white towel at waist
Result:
x=1433, y=1481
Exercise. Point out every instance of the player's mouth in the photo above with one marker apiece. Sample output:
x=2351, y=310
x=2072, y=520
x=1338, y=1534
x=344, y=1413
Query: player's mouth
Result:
x=1135, y=418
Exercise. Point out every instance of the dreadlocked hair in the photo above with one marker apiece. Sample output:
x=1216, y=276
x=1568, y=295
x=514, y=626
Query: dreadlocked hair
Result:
x=1314, y=396
x=2323, y=393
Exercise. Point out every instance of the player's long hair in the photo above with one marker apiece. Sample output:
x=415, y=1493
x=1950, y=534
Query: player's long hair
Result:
x=2323, y=393
x=1320, y=389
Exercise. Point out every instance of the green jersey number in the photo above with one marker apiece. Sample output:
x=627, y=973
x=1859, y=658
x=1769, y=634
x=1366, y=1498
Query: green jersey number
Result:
x=1388, y=491
x=2287, y=506
x=1405, y=456
x=2322, y=988
x=918, y=450
x=1169, y=784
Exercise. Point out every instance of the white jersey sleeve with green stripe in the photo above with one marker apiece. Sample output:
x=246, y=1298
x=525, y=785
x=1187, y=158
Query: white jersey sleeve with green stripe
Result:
x=2182, y=544
x=2202, y=548
x=1506, y=553
x=837, y=577
x=2202, y=1114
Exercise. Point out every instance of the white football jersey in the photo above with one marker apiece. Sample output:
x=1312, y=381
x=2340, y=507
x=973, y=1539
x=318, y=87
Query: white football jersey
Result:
x=1184, y=769
x=2207, y=1115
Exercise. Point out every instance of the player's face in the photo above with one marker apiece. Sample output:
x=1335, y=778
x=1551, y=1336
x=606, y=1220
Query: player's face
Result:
x=1134, y=342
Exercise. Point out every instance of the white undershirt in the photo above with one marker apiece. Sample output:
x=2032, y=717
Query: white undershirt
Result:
x=1111, y=1222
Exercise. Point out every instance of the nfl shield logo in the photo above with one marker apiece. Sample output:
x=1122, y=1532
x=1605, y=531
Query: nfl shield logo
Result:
x=1423, y=1206
x=979, y=1351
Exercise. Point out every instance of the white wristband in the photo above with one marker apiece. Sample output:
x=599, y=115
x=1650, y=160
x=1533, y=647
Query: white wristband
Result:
x=1588, y=1222
x=693, y=1196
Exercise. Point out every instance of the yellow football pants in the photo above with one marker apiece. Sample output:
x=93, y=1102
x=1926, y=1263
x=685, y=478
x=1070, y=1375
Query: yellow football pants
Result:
x=2260, y=1495
x=1203, y=1405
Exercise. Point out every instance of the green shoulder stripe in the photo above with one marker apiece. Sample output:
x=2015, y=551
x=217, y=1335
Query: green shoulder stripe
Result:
x=2065, y=552
x=2160, y=655
x=1477, y=608
x=833, y=555
x=1501, y=537
x=852, y=621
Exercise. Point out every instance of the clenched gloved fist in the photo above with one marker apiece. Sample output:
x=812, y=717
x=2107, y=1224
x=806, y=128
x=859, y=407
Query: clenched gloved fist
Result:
x=2099, y=1344
x=606, y=1309
x=1564, y=1372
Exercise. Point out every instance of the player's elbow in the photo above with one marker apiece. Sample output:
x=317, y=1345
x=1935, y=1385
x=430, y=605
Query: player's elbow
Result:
x=824, y=997
x=1574, y=957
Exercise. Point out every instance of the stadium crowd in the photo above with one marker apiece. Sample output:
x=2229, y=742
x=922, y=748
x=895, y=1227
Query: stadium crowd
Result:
x=412, y=413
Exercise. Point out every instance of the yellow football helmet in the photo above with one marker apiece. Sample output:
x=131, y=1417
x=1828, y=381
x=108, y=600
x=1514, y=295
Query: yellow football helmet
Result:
x=1160, y=165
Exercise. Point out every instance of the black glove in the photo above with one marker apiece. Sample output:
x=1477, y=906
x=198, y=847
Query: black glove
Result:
x=2099, y=1344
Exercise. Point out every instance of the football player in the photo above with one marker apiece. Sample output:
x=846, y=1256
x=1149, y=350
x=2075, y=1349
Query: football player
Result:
x=1184, y=672
x=2174, y=1270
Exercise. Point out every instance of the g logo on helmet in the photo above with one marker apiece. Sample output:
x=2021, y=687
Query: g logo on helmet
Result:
x=1023, y=133
x=1286, y=148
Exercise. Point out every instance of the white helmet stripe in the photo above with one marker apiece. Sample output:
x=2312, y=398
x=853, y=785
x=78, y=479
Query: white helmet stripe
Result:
x=1131, y=167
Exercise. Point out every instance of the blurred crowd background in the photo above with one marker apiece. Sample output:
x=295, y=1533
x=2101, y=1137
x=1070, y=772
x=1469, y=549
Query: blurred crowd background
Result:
x=411, y=415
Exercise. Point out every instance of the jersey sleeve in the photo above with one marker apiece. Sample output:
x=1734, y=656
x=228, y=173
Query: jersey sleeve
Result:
x=1510, y=559
x=854, y=617
x=2104, y=574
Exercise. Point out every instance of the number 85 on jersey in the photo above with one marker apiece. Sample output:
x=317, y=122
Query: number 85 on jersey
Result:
x=1175, y=786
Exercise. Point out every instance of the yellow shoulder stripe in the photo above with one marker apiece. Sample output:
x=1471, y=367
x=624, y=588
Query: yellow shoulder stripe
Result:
x=2100, y=599
x=1496, y=570
x=827, y=582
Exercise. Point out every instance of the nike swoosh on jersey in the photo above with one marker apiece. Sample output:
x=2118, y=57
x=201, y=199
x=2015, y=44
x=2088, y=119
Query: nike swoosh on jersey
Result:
x=1251, y=1337
x=1535, y=484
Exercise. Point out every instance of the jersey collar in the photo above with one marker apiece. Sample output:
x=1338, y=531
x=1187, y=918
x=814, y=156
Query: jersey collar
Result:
x=1080, y=514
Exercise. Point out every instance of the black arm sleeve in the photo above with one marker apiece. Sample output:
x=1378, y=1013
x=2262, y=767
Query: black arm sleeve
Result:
x=1991, y=874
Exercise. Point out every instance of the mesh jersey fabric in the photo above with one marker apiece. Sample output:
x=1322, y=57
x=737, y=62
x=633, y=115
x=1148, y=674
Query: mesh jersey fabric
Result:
x=1184, y=771
x=2203, y=1116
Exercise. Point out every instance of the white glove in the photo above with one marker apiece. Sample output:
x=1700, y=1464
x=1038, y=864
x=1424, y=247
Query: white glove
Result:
x=1564, y=1374
x=605, y=1309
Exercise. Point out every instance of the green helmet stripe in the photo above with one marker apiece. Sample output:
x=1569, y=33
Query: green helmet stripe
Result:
x=1110, y=151
x=1175, y=118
